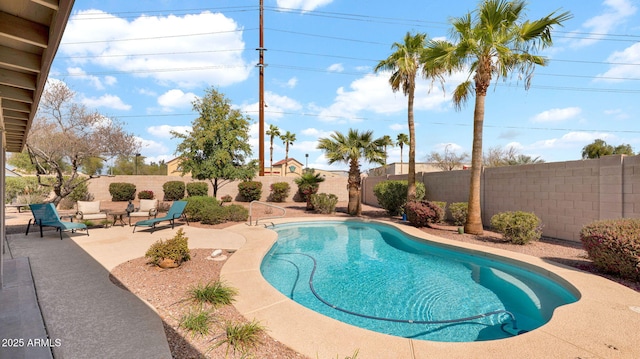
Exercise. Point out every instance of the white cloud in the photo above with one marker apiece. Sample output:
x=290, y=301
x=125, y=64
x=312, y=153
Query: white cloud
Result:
x=631, y=56
x=164, y=131
x=451, y=147
x=399, y=126
x=557, y=114
x=292, y=82
x=95, y=81
x=109, y=101
x=571, y=139
x=615, y=13
x=373, y=93
x=304, y=5
x=113, y=42
x=336, y=68
x=276, y=105
x=176, y=99
x=314, y=132
x=618, y=114
x=150, y=148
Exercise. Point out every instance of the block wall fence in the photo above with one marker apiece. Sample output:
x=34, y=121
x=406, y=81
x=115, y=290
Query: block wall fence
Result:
x=99, y=187
x=565, y=195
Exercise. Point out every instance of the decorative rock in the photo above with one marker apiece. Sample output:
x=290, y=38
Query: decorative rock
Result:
x=216, y=253
x=168, y=263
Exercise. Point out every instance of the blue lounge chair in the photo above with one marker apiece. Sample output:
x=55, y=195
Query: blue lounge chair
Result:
x=45, y=215
x=175, y=212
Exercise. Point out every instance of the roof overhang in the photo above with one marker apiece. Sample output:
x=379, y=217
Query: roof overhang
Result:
x=30, y=33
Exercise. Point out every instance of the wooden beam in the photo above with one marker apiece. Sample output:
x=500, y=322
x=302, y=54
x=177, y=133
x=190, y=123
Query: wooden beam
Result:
x=16, y=115
x=14, y=93
x=51, y=4
x=24, y=30
x=20, y=60
x=17, y=79
x=16, y=105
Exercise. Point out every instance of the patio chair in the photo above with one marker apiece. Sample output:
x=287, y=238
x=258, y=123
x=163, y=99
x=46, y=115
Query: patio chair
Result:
x=148, y=208
x=45, y=215
x=88, y=210
x=175, y=212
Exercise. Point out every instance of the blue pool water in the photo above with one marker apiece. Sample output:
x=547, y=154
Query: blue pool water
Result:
x=374, y=276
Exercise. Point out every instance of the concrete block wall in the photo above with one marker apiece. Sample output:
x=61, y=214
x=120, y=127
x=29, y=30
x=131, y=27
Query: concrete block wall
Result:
x=99, y=187
x=565, y=195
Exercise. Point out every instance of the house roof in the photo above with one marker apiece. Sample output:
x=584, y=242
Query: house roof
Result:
x=30, y=33
x=290, y=161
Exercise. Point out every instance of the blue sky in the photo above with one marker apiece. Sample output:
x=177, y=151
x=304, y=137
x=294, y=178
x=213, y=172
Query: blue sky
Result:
x=144, y=62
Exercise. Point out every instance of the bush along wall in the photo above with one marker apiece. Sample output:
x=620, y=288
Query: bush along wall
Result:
x=173, y=190
x=614, y=246
x=121, y=191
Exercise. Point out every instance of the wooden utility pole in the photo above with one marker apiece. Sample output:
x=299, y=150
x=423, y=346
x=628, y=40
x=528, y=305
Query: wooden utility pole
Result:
x=261, y=65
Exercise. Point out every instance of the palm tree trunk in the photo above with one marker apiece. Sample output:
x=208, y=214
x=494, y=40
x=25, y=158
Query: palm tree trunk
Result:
x=474, y=216
x=411, y=178
x=401, y=167
x=271, y=159
x=353, y=207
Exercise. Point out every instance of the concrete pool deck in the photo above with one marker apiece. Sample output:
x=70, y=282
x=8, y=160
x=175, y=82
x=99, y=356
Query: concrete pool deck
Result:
x=604, y=323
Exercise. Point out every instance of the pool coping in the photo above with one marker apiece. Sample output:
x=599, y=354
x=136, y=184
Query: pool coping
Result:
x=603, y=323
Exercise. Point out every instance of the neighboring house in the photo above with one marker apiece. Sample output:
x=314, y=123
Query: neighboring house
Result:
x=172, y=167
x=292, y=166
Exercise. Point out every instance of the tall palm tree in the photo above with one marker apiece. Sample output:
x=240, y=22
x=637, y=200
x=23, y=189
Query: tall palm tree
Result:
x=350, y=149
x=493, y=40
x=405, y=63
x=384, y=142
x=272, y=132
x=402, y=140
x=287, y=139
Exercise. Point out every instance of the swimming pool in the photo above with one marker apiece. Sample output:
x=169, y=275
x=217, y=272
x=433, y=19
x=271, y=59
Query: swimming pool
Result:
x=373, y=276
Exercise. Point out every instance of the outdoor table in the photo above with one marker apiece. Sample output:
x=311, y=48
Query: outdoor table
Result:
x=118, y=216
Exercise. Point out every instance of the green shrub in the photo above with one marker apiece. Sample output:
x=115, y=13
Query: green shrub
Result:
x=216, y=293
x=241, y=336
x=517, y=227
x=196, y=207
x=459, y=212
x=121, y=191
x=226, y=198
x=197, y=189
x=279, y=191
x=176, y=248
x=173, y=190
x=26, y=190
x=324, y=203
x=423, y=213
x=308, y=184
x=443, y=207
x=614, y=246
x=213, y=215
x=81, y=192
x=196, y=322
x=250, y=190
x=146, y=194
x=392, y=195
x=236, y=213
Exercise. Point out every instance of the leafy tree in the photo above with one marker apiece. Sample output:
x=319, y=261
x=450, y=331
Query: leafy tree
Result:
x=405, y=63
x=66, y=136
x=287, y=139
x=272, y=132
x=402, y=140
x=449, y=160
x=308, y=184
x=601, y=148
x=494, y=40
x=217, y=147
x=92, y=166
x=350, y=149
x=497, y=157
x=22, y=162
